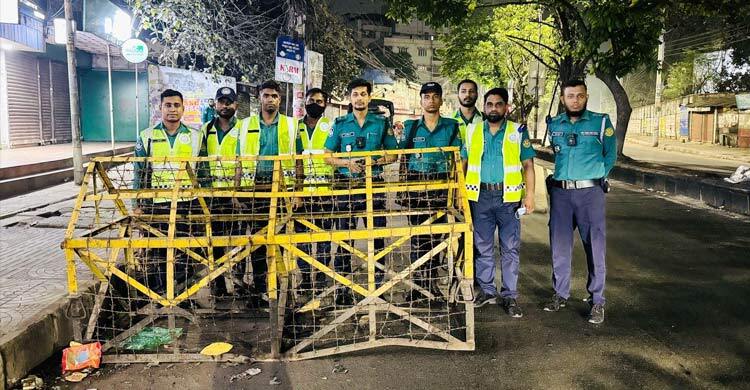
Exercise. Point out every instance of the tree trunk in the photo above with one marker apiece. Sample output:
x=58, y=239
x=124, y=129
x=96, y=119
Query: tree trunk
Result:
x=622, y=103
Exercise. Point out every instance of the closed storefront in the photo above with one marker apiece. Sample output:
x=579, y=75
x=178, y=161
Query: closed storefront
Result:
x=37, y=100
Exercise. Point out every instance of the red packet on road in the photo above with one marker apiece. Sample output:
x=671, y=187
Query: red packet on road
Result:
x=79, y=357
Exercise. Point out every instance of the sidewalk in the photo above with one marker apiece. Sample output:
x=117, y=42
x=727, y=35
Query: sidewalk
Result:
x=39, y=154
x=33, y=279
x=740, y=155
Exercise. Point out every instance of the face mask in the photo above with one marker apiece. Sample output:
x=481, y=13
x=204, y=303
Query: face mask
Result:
x=313, y=110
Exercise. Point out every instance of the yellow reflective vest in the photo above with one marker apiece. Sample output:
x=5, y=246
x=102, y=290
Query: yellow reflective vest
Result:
x=463, y=126
x=165, y=175
x=513, y=185
x=318, y=173
x=250, y=146
x=222, y=172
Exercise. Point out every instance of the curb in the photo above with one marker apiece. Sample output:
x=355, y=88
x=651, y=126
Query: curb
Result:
x=678, y=149
x=34, y=341
x=713, y=192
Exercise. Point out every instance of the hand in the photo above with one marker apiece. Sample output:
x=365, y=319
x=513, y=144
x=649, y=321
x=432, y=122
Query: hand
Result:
x=354, y=166
x=296, y=203
x=528, y=202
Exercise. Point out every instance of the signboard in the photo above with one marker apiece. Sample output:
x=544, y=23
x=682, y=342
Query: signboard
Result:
x=313, y=69
x=134, y=50
x=684, y=121
x=743, y=101
x=290, y=57
x=196, y=88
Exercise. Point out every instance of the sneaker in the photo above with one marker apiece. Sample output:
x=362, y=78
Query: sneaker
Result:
x=597, y=314
x=511, y=307
x=483, y=298
x=556, y=303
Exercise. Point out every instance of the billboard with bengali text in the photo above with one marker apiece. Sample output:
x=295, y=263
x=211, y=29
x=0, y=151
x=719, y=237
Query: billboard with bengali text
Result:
x=196, y=88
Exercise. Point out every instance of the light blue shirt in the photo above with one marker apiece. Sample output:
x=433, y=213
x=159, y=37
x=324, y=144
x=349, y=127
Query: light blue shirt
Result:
x=595, y=151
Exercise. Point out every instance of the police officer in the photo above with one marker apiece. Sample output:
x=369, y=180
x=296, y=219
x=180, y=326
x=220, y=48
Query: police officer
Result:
x=221, y=138
x=499, y=165
x=314, y=128
x=354, y=132
x=266, y=134
x=467, y=113
x=209, y=113
x=585, y=150
x=168, y=138
x=430, y=131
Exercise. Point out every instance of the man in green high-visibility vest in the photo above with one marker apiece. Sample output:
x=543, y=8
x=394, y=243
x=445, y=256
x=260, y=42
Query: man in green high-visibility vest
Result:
x=168, y=138
x=499, y=166
x=313, y=130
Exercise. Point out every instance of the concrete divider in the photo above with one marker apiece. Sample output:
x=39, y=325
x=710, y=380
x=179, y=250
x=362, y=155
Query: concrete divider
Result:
x=707, y=188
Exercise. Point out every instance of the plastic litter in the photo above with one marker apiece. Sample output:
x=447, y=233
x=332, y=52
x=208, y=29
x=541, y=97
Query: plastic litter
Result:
x=80, y=356
x=742, y=174
x=250, y=372
x=216, y=349
x=151, y=338
x=32, y=382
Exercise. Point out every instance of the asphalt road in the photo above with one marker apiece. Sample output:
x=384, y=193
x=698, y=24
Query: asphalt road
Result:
x=678, y=316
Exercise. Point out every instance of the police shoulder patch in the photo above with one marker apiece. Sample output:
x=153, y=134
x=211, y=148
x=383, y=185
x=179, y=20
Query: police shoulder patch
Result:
x=609, y=132
x=526, y=143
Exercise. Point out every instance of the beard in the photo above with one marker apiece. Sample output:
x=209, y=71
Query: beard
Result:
x=494, y=118
x=468, y=102
x=575, y=114
x=227, y=113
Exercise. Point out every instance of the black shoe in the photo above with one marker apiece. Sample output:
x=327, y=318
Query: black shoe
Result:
x=556, y=303
x=597, y=314
x=481, y=298
x=511, y=307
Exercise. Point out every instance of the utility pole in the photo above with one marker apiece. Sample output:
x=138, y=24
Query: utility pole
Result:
x=75, y=123
x=659, y=88
x=536, y=77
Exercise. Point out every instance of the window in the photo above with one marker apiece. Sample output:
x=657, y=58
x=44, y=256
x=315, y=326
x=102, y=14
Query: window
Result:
x=422, y=52
x=403, y=50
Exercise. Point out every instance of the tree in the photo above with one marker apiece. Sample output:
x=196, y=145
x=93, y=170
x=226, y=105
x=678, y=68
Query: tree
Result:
x=238, y=37
x=609, y=38
x=230, y=37
x=327, y=34
x=494, y=36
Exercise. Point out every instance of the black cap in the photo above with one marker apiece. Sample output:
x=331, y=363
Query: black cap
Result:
x=226, y=93
x=431, y=87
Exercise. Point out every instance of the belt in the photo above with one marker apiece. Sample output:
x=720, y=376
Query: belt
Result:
x=575, y=184
x=491, y=186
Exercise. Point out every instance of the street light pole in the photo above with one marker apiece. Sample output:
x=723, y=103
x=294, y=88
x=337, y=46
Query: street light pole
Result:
x=659, y=87
x=75, y=123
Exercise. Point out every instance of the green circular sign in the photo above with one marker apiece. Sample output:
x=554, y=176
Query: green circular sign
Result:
x=134, y=50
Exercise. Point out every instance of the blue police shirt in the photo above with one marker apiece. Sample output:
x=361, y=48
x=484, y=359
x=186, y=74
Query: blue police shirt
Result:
x=492, y=157
x=444, y=134
x=593, y=152
x=373, y=135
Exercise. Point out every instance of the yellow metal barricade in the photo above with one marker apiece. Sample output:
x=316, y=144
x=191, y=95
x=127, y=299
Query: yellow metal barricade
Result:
x=253, y=266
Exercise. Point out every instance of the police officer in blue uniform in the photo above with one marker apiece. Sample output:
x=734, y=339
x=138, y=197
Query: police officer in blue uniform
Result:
x=430, y=131
x=585, y=150
x=358, y=131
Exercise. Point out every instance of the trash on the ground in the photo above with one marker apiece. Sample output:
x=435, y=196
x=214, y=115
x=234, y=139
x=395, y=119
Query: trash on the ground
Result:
x=32, y=382
x=340, y=369
x=79, y=357
x=250, y=372
x=151, y=337
x=152, y=364
x=742, y=174
x=216, y=349
x=274, y=381
x=76, y=376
